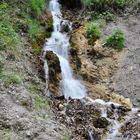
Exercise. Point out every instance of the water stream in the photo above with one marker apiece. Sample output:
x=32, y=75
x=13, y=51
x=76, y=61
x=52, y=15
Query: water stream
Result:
x=71, y=87
x=59, y=43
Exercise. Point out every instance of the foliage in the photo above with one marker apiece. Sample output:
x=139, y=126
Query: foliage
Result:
x=5, y=134
x=116, y=40
x=40, y=103
x=2, y=60
x=11, y=78
x=93, y=31
x=37, y=6
x=107, y=16
x=100, y=5
x=8, y=36
x=34, y=28
x=66, y=138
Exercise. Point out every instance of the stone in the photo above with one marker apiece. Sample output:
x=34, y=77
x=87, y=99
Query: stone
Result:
x=54, y=73
x=101, y=123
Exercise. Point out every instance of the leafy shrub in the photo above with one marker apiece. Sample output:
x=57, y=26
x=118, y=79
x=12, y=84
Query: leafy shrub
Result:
x=37, y=6
x=107, y=16
x=93, y=31
x=100, y=5
x=34, y=28
x=116, y=40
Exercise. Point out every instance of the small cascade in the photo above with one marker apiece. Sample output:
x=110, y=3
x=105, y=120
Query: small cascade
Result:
x=70, y=87
x=59, y=43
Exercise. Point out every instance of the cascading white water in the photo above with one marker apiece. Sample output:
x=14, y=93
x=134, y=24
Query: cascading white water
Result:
x=70, y=87
x=59, y=43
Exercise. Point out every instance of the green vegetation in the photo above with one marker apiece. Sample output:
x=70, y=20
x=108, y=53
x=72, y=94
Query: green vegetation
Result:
x=8, y=37
x=34, y=89
x=34, y=28
x=37, y=6
x=93, y=31
x=11, y=78
x=66, y=138
x=107, y=16
x=101, y=5
x=116, y=40
x=40, y=103
x=5, y=134
x=20, y=24
x=2, y=61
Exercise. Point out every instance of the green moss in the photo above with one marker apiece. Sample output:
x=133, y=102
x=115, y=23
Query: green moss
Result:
x=116, y=40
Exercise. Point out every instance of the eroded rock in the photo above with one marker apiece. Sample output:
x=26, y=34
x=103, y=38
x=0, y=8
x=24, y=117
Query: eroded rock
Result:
x=54, y=73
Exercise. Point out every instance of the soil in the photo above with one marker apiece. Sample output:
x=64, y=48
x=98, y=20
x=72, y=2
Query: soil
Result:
x=127, y=79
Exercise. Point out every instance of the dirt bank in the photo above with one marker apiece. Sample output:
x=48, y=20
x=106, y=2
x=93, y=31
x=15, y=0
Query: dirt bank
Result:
x=127, y=79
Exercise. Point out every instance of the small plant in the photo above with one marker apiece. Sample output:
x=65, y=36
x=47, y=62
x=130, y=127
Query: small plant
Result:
x=37, y=6
x=34, y=28
x=116, y=40
x=104, y=5
x=40, y=103
x=66, y=138
x=10, y=78
x=2, y=60
x=5, y=134
x=93, y=31
x=122, y=3
x=107, y=16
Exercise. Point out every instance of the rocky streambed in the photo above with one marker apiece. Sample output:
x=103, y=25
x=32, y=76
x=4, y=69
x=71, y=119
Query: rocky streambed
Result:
x=104, y=114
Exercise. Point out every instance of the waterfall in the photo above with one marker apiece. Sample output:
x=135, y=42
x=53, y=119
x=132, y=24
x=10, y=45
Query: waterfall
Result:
x=59, y=43
x=69, y=86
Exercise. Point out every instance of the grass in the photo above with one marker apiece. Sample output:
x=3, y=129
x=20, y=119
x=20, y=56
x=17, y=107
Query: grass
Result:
x=65, y=138
x=37, y=6
x=107, y=16
x=2, y=61
x=5, y=134
x=40, y=103
x=34, y=28
x=8, y=36
x=11, y=78
x=101, y=5
x=93, y=31
x=116, y=40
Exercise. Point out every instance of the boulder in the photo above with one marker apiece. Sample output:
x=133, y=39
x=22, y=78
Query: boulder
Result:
x=54, y=73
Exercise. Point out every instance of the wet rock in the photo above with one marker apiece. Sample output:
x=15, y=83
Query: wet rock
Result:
x=65, y=26
x=54, y=71
x=75, y=59
x=101, y=123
